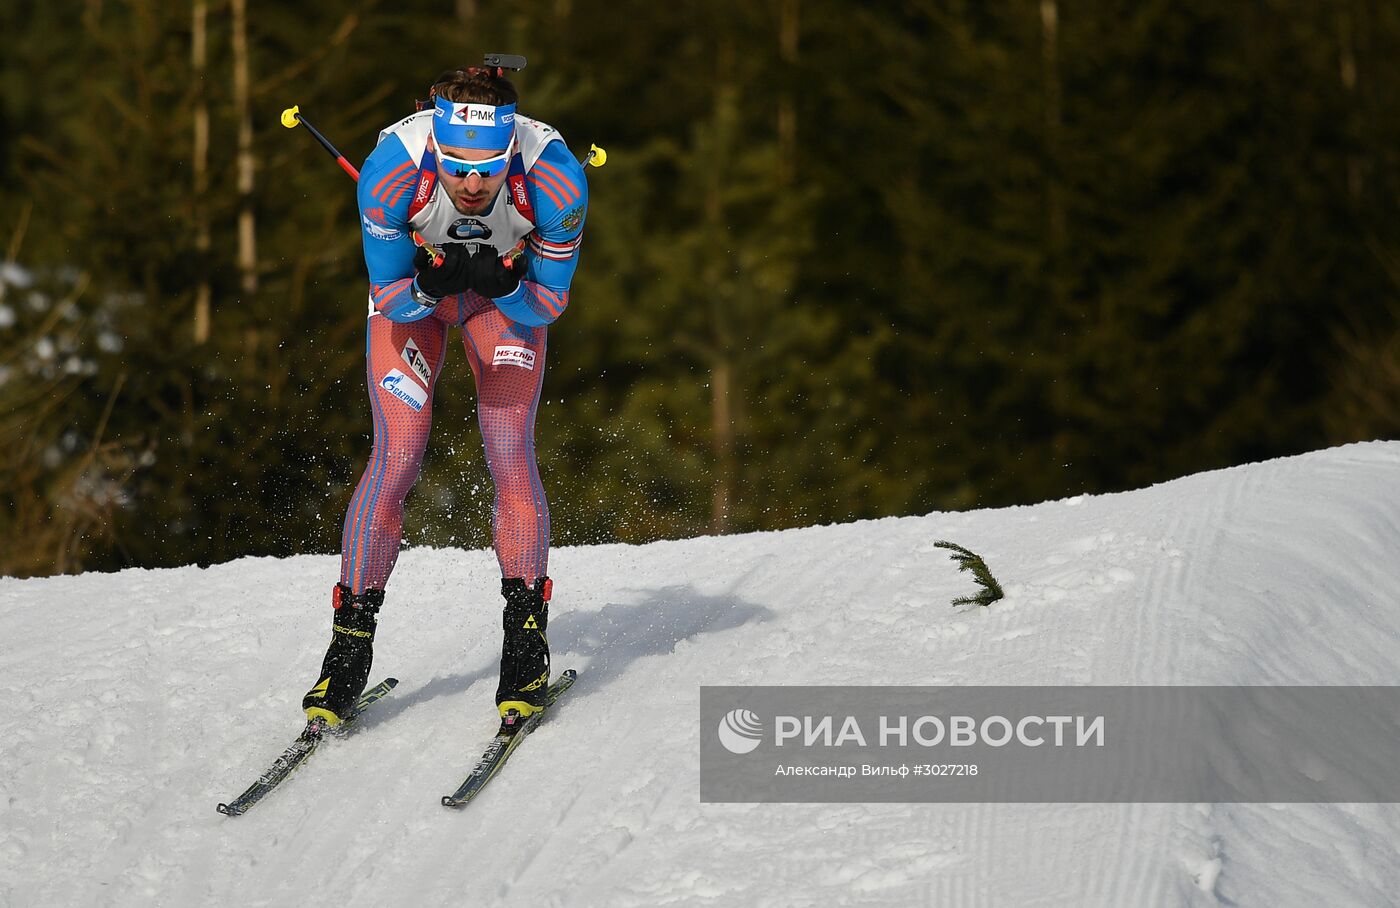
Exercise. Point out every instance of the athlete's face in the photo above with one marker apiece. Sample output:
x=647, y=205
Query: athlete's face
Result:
x=473, y=193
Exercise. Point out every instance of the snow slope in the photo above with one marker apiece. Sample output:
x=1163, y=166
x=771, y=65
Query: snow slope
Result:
x=134, y=702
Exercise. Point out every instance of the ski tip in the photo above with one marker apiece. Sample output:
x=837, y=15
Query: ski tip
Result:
x=391, y=682
x=570, y=674
x=227, y=811
x=449, y=801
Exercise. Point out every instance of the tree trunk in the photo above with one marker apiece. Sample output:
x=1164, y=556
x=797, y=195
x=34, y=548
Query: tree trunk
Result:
x=720, y=286
x=723, y=429
x=1054, y=194
x=789, y=25
x=1346, y=40
x=199, y=60
x=247, y=229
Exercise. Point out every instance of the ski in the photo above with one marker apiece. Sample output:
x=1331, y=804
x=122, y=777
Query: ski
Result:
x=503, y=745
x=302, y=748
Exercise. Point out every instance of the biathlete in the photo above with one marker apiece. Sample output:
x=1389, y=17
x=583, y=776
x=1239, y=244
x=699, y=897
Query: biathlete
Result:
x=500, y=201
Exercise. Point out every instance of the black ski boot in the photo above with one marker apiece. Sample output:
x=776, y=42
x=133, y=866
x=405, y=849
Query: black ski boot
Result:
x=346, y=666
x=525, y=652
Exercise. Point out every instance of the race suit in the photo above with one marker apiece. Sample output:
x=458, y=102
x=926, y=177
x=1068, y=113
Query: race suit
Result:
x=542, y=204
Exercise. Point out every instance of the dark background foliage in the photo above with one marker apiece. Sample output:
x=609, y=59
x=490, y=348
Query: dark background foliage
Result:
x=844, y=261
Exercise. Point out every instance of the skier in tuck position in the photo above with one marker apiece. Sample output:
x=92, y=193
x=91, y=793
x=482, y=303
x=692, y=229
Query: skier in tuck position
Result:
x=503, y=200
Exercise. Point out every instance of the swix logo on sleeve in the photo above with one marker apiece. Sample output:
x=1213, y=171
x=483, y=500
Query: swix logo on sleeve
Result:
x=509, y=355
x=425, y=189
x=406, y=390
x=414, y=357
x=520, y=196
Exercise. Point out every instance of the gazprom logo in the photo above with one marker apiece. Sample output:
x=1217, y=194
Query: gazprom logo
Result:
x=405, y=389
x=740, y=731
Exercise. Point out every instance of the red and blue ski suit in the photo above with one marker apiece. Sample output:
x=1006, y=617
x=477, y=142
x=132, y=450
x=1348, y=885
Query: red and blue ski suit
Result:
x=542, y=204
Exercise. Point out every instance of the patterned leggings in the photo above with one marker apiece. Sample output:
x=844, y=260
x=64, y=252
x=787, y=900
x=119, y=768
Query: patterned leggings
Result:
x=404, y=360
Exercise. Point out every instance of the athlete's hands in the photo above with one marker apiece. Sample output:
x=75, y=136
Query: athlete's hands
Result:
x=489, y=275
x=451, y=277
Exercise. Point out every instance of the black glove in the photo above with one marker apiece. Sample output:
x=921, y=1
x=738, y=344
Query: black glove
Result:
x=489, y=276
x=452, y=276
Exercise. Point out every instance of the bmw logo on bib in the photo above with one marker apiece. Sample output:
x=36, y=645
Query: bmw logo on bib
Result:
x=469, y=229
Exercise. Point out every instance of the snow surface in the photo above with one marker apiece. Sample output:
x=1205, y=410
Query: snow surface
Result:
x=134, y=702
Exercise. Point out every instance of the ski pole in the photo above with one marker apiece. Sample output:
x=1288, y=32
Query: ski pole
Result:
x=292, y=116
x=596, y=156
